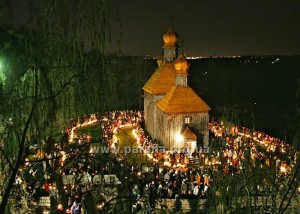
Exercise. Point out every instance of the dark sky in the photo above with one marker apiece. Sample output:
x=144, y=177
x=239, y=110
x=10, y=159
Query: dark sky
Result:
x=211, y=27
x=205, y=27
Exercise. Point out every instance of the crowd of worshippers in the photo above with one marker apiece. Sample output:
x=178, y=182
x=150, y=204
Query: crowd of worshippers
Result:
x=39, y=178
x=111, y=121
x=165, y=182
x=149, y=180
x=170, y=183
x=234, y=143
x=232, y=132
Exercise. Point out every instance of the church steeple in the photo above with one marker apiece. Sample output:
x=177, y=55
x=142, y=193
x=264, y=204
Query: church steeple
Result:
x=181, y=68
x=169, y=102
x=170, y=45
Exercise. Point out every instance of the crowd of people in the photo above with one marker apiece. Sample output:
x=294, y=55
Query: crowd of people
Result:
x=233, y=144
x=229, y=146
x=154, y=180
x=228, y=142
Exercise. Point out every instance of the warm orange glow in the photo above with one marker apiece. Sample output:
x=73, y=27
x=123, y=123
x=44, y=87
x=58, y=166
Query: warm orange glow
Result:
x=283, y=169
x=60, y=207
x=91, y=121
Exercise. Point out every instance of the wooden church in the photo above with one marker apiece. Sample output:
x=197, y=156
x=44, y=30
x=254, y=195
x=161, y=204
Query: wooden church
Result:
x=174, y=114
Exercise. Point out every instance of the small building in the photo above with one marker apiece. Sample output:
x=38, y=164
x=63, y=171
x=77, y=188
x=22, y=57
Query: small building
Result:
x=174, y=114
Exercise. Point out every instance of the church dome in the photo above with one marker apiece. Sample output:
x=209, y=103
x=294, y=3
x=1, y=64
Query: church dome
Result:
x=181, y=65
x=170, y=39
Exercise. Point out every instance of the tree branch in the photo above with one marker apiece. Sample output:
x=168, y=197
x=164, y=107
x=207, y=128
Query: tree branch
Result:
x=291, y=182
x=58, y=92
x=21, y=150
x=69, y=152
x=291, y=196
x=7, y=159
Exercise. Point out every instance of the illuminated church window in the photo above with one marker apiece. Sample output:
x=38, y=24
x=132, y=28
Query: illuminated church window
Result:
x=187, y=120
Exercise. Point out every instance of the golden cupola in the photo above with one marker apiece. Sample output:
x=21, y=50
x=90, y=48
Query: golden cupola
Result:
x=181, y=65
x=170, y=39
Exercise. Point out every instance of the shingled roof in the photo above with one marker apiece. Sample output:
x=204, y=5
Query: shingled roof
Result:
x=162, y=80
x=182, y=100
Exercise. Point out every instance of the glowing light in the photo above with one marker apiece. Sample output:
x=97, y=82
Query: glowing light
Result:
x=100, y=206
x=283, y=169
x=27, y=162
x=134, y=133
x=92, y=120
x=60, y=207
x=179, y=137
x=167, y=163
x=150, y=156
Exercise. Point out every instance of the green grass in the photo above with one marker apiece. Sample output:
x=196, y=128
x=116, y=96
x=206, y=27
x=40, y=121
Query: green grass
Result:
x=94, y=130
x=126, y=139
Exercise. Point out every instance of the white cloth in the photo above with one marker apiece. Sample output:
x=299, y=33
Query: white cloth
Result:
x=196, y=190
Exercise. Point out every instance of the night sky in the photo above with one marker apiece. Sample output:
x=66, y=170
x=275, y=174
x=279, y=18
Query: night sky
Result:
x=205, y=27
x=212, y=27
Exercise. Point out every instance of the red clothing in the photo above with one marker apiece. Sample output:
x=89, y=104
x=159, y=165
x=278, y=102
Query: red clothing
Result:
x=47, y=187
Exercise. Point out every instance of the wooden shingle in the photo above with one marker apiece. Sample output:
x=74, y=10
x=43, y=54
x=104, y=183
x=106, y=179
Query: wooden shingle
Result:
x=162, y=80
x=182, y=100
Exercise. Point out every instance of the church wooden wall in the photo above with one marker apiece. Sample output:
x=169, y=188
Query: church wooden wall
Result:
x=170, y=125
x=200, y=123
x=150, y=114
